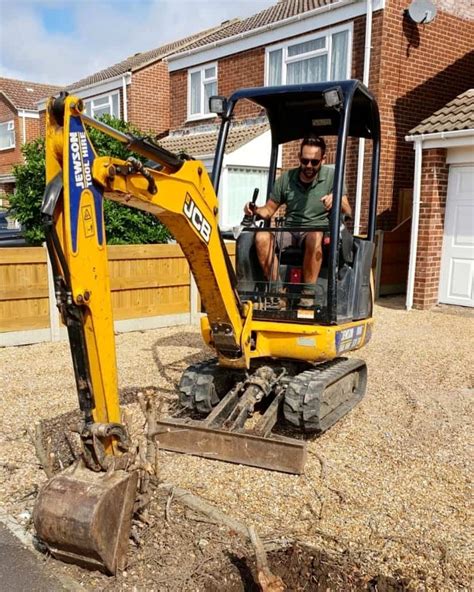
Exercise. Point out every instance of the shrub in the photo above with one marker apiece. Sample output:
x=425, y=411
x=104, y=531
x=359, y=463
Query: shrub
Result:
x=123, y=225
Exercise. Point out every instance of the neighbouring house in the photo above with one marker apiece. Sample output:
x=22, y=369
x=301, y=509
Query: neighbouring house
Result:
x=136, y=89
x=19, y=123
x=442, y=238
x=412, y=68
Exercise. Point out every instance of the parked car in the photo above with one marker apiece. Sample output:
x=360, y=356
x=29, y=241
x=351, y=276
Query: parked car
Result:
x=10, y=235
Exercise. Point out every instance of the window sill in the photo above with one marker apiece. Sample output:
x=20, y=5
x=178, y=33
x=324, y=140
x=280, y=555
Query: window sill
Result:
x=192, y=118
x=8, y=148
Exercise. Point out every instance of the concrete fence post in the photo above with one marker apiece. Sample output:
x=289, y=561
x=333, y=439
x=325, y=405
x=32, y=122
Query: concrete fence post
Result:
x=54, y=319
x=195, y=312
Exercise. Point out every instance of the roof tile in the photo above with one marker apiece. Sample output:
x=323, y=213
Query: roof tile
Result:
x=282, y=10
x=458, y=114
x=25, y=95
x=140, y=60
x=201, y=144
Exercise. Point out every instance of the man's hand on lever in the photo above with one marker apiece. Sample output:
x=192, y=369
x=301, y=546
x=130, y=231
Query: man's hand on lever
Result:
x=264, y=212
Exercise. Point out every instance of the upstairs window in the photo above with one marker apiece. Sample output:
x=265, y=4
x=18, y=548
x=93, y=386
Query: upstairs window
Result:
x=202, y=84
x=315, y=58
x=105, y=104
x=7, y=135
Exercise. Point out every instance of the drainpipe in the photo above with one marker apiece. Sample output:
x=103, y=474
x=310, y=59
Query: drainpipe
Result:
x=125, y=103
x=24, y=127
x=365, y=80
x=415, y=219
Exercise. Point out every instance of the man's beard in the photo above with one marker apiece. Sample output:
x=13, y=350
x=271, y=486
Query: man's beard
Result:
x=312, y=172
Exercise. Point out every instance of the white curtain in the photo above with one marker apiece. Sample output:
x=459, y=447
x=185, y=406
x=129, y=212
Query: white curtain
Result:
x=210, y=89
x=311, y=70
x=306, y=46
x=7, y=135
x=274, y=67
x=196, y=92
x=339, y=55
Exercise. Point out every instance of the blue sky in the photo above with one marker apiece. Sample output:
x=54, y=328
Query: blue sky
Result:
x=61, y=41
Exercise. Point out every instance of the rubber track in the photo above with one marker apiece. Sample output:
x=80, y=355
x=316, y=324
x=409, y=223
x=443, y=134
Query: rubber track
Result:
x=202, y=385
x=313, y=402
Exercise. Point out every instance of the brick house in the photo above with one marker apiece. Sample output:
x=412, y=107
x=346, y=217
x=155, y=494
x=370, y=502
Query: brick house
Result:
x=414, y=70
x=19, y=123
x=442, y=250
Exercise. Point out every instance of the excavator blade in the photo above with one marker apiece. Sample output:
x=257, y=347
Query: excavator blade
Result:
x=286, y=455
x=85, y=517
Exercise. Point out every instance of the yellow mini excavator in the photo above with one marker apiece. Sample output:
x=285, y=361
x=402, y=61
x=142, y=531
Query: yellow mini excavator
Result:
x=272, y=365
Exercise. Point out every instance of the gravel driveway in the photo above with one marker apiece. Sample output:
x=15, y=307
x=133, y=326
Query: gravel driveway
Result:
x=389, y=484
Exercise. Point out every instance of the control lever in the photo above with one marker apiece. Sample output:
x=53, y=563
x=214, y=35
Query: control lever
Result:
x=247, y=220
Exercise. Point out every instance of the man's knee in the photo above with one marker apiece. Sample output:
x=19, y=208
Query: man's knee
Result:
x=263, y=241
x=314, y=242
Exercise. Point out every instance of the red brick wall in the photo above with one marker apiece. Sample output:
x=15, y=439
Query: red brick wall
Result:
x=241, y=70
x=422, y=68
x=434, y=187
x=10, y=156
x=149, y=98
x=32, y=129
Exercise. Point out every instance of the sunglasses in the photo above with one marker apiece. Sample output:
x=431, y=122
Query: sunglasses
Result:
x=314, y=161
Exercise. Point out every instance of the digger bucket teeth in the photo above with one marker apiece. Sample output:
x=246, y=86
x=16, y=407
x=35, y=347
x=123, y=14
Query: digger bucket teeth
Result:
x=85, y=517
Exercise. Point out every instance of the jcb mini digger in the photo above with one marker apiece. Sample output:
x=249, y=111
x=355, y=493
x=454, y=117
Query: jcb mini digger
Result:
x=270, y=365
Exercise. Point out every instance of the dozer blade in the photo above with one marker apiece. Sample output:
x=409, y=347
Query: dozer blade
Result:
x=85, y=517
x=276, y=453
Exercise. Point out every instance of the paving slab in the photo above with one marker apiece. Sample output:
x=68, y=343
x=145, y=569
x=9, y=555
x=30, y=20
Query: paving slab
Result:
x=22, y=570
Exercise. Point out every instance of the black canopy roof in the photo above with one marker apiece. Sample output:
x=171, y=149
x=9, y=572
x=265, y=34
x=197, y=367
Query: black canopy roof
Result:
x=295, y=111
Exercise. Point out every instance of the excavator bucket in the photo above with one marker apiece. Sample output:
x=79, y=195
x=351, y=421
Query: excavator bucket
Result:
x=85, y=517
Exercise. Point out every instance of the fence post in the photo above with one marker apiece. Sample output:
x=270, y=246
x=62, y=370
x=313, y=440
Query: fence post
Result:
x=193, y=300
x=54, y=323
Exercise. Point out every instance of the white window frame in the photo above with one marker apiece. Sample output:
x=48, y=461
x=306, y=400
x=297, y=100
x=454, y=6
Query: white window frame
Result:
x=201, y=69
x=90, y=101
x=10, y=127
x=327, y=34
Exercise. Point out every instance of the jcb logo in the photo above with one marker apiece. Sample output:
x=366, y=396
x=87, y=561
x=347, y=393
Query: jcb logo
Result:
x=200, y=223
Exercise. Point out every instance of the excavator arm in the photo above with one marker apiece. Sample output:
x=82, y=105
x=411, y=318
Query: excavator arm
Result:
x=181, y=195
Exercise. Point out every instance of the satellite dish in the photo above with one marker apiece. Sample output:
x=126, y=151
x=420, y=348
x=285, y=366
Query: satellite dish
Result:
x=421, y=11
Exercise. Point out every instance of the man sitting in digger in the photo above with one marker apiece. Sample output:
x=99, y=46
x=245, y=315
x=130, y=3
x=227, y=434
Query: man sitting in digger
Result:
x=307, y=193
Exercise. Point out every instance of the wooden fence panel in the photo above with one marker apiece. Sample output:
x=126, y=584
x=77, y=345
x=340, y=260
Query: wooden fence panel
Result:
x=148, y=280
x=148, y=283
x=24, y=299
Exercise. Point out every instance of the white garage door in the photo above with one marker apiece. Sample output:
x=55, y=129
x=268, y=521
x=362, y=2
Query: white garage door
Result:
x=457, y=259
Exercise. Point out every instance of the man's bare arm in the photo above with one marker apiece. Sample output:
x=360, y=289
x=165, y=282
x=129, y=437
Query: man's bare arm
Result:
x=265, y=212
x=346, y=206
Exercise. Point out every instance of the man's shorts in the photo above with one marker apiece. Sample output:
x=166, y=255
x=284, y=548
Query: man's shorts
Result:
x=292, y=239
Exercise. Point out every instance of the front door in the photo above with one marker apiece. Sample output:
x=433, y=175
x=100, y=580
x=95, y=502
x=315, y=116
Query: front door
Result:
x=457, y=259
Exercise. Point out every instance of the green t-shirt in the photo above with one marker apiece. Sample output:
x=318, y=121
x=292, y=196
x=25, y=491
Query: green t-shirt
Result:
x=303, y=203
